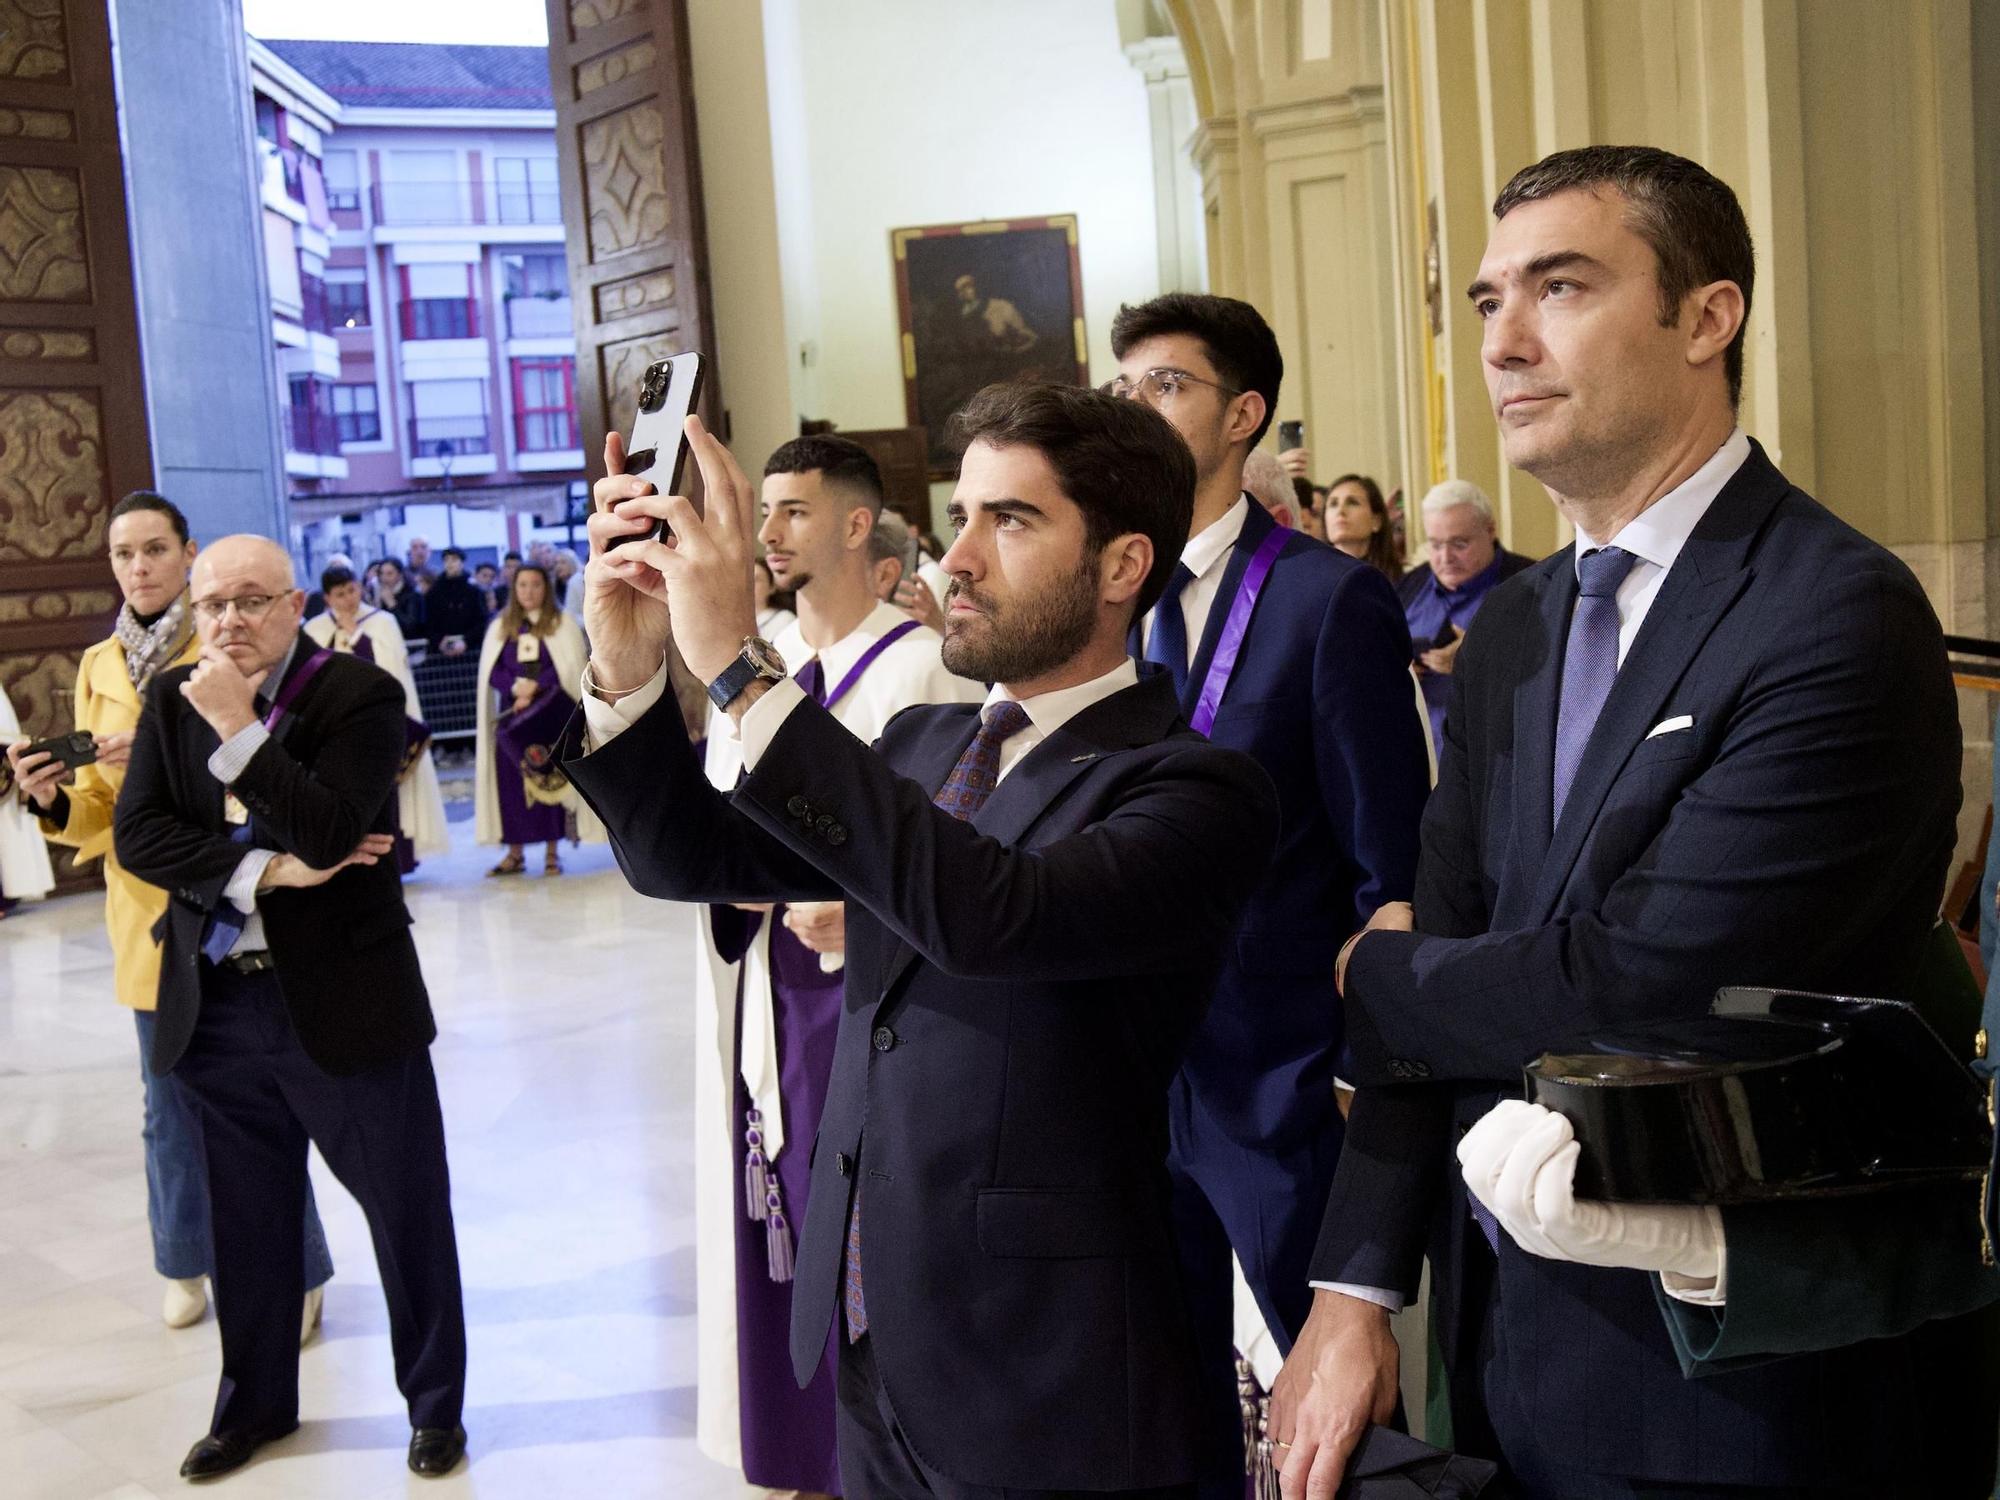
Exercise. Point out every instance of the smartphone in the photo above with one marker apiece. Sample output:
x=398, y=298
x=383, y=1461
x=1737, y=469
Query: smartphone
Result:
x=73, y=750
x=657, y=450
x=1447, y=633
x=1291, y=435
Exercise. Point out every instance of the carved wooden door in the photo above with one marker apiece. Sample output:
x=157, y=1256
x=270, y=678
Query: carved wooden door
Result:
x=631, y=194
x=72, y=403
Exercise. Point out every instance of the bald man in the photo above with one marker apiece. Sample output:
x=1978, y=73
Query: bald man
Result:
x=261, y=797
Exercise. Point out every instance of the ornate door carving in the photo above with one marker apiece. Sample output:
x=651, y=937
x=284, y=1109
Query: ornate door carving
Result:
x=631, y=192
x=72, y=403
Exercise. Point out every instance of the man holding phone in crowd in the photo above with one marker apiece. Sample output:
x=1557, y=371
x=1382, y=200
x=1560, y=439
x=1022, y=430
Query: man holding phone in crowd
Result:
x=769, y=976
x=1441, y=596
x=151, y=553
x=993, y=1255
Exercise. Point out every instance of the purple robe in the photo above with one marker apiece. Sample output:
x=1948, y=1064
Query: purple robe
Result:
x=788, y=1433
x=540, y=723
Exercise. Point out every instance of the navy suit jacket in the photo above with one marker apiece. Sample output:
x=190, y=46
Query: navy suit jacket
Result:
x=1796, y=834
x=1321, y=698
x=1019, y=990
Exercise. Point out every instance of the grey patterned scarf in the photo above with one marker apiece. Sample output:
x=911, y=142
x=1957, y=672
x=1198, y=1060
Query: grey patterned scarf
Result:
x=151, y=647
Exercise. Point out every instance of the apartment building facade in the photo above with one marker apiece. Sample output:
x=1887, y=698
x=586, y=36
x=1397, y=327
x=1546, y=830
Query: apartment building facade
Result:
x=419, y=293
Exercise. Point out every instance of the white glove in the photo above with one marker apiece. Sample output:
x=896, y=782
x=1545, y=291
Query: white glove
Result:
x=1520, y=1161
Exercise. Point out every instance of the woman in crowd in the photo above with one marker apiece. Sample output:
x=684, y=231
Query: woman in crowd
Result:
x=25, y=874
x=1357, y=522
x=531, y=677
x=394, y=596
x=373, y=634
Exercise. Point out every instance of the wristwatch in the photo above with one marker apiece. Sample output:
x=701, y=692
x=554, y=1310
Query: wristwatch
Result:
x=760, y=659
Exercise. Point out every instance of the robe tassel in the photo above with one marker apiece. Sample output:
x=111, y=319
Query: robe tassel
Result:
x=756, y=1170
x=777, y=1236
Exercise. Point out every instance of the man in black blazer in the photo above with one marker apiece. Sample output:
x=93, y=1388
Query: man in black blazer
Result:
x=261, y=796
x=1713, y=743
x=1038, y=892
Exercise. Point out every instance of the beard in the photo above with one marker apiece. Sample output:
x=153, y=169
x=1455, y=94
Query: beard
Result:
x=1022, y=641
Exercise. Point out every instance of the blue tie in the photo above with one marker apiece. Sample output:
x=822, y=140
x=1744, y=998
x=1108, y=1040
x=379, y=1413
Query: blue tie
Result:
x=1169, y=643
x=225, y=923
x=1590, y=660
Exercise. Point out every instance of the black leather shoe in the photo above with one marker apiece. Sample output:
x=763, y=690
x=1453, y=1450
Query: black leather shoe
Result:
x=225, y=1452
x=436, y=1450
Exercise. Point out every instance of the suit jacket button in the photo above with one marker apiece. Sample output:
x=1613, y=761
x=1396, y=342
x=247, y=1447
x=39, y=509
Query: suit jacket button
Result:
x=884, y=1039
x=798, y=807
x=836, y=835
x=843, y=1163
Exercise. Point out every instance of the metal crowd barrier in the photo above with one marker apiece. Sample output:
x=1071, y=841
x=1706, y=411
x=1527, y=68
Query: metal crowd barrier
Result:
x=447, y=691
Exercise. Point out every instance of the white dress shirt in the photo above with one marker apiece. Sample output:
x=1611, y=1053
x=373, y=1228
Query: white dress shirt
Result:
x=1206, y=556
x=1655, y=536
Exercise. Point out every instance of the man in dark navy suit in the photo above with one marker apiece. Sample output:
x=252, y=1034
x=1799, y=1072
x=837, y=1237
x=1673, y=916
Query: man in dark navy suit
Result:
x=1714, y=742
x=1038, y=893
x=1297, y=654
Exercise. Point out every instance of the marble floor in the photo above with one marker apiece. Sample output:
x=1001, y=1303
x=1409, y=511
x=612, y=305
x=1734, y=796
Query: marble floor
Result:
x=564, y=1060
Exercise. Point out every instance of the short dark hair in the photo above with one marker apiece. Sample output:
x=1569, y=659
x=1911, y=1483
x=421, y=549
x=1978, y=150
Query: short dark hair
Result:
x=1685, y=212
x=457, y=552
x=1233, y=334
x=478, y=565
x=149, y=500
x=511, y=557
x=334, y=578
x=839, y=460
x=1121, y=462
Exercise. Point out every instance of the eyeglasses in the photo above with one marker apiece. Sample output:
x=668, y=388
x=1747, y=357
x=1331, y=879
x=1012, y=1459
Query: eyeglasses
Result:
x=1159, y=385
x=250, y=606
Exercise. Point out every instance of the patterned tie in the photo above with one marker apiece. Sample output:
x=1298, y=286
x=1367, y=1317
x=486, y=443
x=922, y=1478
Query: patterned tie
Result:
x=812, y=678
x=964, y=792
x=1169, y=643
x=1590, y=660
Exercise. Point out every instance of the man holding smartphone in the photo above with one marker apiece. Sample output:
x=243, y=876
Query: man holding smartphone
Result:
x=992, y=1252
x=151, y=553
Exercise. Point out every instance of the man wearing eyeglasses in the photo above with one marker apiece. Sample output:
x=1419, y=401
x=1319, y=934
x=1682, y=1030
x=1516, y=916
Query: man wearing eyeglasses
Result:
x=261, y=797
x=1289, y=650
x=1440, y=597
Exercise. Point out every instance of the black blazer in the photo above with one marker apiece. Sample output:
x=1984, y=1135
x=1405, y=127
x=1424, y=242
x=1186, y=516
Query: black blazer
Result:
x=1019, y=990
x=1796, y=833
x=327, y=776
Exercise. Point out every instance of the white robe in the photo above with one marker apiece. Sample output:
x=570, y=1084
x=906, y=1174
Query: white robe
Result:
x=566, y=646
x=25, y=872
x=911, y=671
x=419, y=800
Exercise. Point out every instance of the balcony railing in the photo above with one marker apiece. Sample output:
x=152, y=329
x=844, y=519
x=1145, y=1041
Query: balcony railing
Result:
x=539, y=318
x=440, y=318
x=312, y=302
x=456, y=202
x=310, y=431
x=449, y=437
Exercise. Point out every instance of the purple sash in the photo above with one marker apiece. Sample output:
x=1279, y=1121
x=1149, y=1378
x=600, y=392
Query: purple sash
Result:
x=288, y=692
x=1229, y=644
x=867, y=660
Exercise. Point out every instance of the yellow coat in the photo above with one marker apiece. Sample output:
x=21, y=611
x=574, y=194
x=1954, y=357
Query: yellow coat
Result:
x=107, y=703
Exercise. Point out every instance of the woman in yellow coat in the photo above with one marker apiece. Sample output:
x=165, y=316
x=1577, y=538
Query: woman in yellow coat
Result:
x=150, y=556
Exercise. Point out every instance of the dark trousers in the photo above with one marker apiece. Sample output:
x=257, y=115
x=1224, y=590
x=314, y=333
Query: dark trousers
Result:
x=878, y=1463
x=1266, y=1207
x=1488, y=1422
x=261, y=1099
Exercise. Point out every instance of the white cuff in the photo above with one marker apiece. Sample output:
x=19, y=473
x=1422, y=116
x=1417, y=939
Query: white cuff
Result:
x=232, y=756
x=1375, y=1294
x=762, y=720
x=604, y=721
x=242, y=887
x=1702, y=1291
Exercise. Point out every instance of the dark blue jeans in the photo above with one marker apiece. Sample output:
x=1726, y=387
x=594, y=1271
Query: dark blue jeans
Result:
x=177, y=1182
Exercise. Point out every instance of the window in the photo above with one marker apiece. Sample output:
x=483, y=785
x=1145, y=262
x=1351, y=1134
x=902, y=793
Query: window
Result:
x=267, y=120
x=342, y=170
x=422, y=187
x=347, y=298
x=537, y=295
x=545, y=405
x=437, y=302
x=309, y=423
x=525, y=191
x=312, y=291
x=356, y=415
x=447, y=418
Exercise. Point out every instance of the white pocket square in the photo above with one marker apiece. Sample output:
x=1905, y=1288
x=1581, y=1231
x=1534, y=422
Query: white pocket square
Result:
x=1670, y=726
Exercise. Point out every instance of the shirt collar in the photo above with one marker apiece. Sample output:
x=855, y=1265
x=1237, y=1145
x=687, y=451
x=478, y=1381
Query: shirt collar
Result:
x=274, y=679
x=1208, y=546
x=1048, y=712
x=1657, y=534
x=836, y=659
